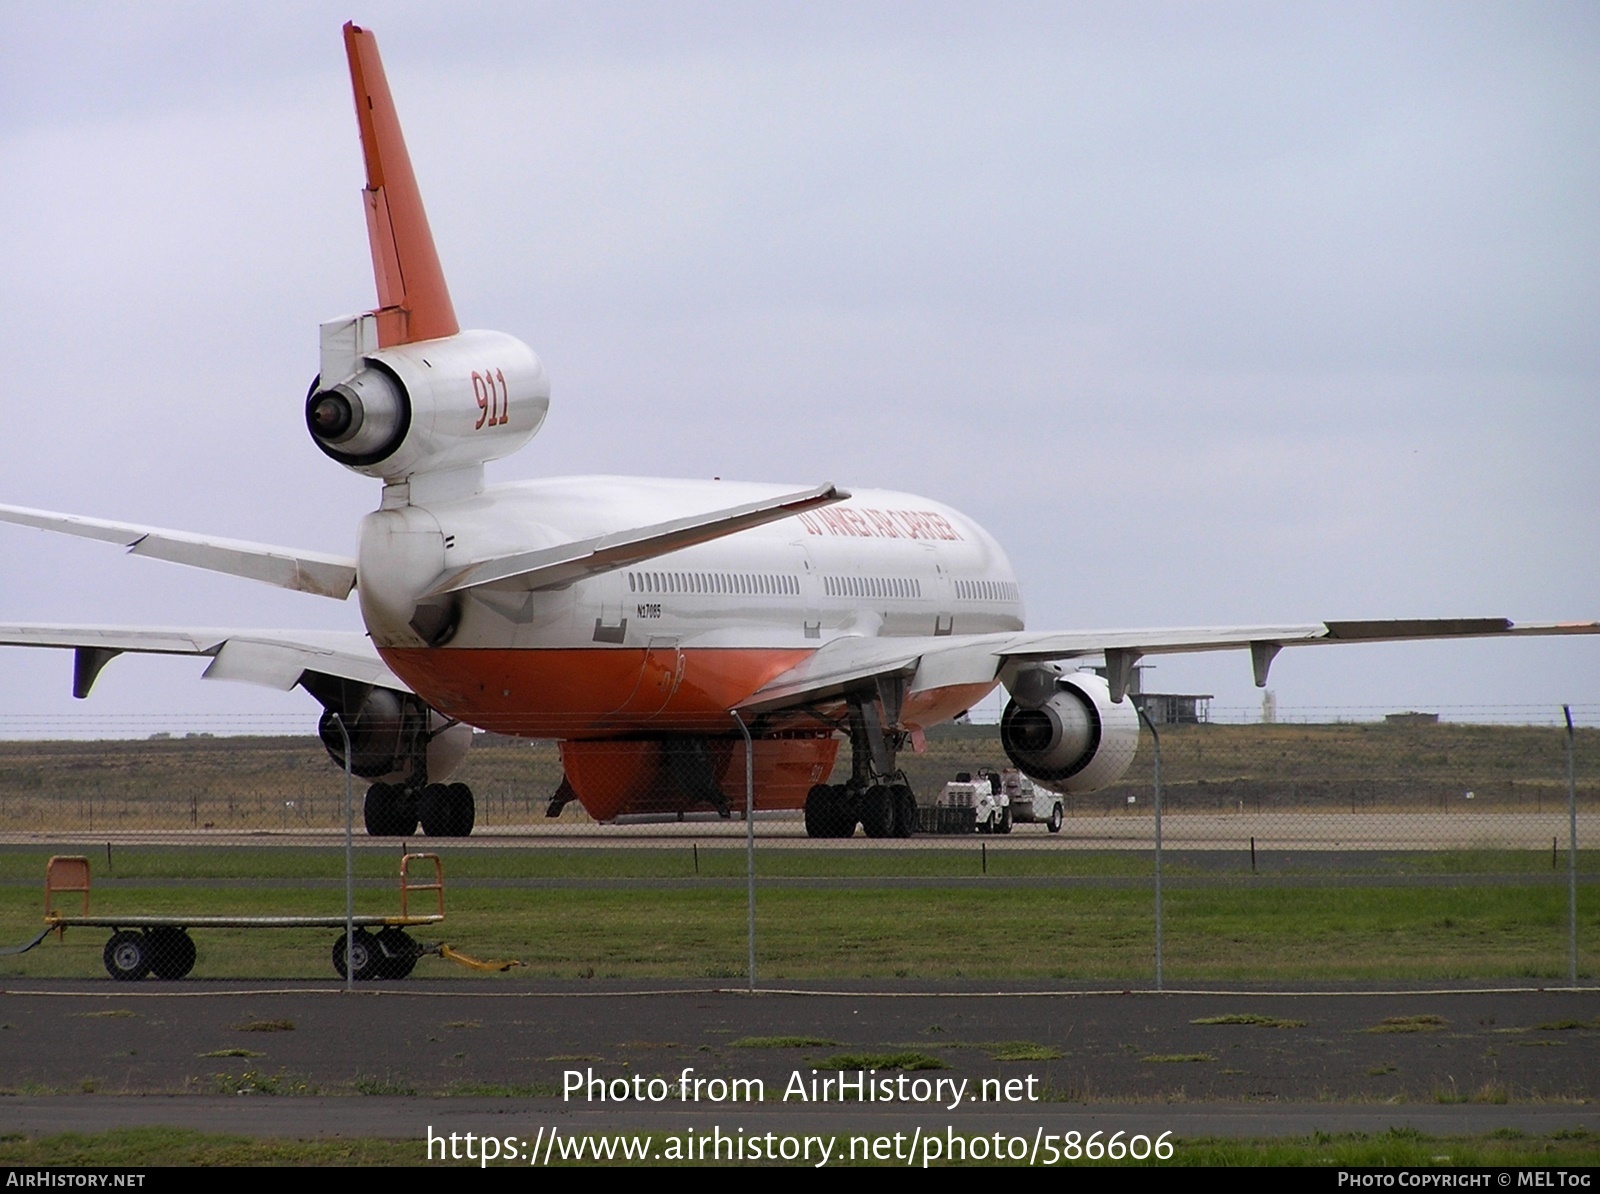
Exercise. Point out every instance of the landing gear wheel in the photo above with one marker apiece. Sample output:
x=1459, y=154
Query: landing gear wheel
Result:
x=463, y=809
x=171, y=953
x=828, y=812
x=877, y=812
x=1054, y=824
x=447, y=810
x=363, y=957
x=433, y=806
x=377, y=811
x=389, y=811
x=844, y=812
x=127, y=956
x=397, y=953
x=819, y=809
x=904, y=804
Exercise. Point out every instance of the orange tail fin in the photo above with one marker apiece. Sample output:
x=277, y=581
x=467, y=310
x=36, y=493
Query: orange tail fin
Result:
x=413, y=300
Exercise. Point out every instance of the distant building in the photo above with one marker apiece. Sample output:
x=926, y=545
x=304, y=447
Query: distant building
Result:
x=1166, y=708
x=1411, y=719
x=1175, y=708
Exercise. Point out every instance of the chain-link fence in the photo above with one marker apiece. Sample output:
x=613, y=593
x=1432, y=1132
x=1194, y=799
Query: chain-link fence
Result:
x=1289, y=853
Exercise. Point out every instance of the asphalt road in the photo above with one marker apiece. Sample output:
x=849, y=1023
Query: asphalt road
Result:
x=395, y=1060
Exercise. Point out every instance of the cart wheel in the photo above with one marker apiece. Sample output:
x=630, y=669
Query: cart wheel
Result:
x=127, y=956
x=1055, y=820
x=171, y=953
x=1005, y=822
x=397, y=953
x=364, y=956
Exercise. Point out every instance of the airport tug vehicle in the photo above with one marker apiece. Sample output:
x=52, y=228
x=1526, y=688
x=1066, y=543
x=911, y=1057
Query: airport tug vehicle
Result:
x=990, y=802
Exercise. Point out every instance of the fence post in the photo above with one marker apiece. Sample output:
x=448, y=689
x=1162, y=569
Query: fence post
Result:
x=349, y=861
x=749, y=848
x=1572, y=855
x=1155, y=740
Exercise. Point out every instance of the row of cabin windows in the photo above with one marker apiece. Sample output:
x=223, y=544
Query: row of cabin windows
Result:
x=872, y=586
x=743, y=584
x=762, y=584
x=987, y=590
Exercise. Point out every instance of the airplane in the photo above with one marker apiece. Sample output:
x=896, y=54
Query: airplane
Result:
x=646, y=625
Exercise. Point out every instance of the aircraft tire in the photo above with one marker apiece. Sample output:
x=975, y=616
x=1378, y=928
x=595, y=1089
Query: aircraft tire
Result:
x=364, y=956
x=397, y=953
x=433, y=806
x=819, y=811
x=904, y=802
x=172, y=953
x=877, y=812
x=1054, y=825
x=845, y=812
x=463, y=810
x=385, y=811
x=127, y=956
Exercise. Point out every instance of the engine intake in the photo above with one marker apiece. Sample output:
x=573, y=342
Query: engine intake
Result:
x=390, y=733
x=1063, y=730
x=360, y=421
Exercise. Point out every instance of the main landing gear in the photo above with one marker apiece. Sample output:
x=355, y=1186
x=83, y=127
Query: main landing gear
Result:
x=882, y=810
x=877, y=796
x=444, y=810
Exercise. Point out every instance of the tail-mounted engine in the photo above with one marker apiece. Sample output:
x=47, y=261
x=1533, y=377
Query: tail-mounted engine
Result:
x=434, y=404
x=1064, y=731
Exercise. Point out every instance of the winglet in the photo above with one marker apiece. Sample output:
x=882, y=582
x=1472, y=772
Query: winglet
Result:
x=413, y=300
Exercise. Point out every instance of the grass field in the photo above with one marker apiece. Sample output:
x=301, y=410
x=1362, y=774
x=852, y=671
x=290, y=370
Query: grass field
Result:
x=1315, y=902
x=283, y=783
x=638, y=913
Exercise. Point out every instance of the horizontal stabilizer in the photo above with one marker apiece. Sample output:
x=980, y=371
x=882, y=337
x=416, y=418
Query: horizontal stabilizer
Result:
x=552, y=567
x=285, y=567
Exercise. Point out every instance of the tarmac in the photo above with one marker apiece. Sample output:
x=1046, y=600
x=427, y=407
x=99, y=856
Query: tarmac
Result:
x=506, y=1057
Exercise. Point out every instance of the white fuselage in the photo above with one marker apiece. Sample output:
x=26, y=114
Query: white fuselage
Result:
x=747, y=606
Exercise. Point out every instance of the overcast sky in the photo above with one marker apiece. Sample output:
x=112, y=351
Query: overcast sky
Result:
x=1211, y=313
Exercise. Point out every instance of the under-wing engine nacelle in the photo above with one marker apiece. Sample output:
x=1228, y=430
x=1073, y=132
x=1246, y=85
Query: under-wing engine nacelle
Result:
x=1064, y=731
x=433, y=404
x=389, y=733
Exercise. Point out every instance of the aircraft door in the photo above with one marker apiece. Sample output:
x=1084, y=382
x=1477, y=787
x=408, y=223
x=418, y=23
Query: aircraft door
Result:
x=944, y=619
x=611, y=620
x=810, y=598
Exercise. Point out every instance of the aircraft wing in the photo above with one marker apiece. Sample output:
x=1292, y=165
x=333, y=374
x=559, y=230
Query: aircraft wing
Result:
x=552, y=567
x=938, y=661
x=275, y=659
x=287, y=567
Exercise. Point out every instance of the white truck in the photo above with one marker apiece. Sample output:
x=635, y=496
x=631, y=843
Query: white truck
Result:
x=990, y=802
